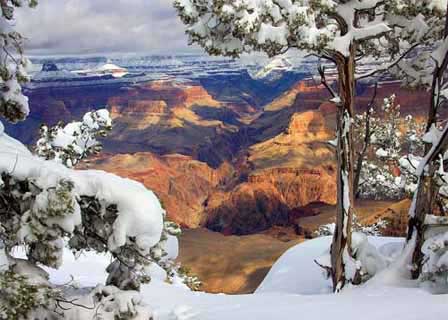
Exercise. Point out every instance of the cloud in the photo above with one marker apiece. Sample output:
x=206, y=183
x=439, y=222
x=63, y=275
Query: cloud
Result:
x=102, y=26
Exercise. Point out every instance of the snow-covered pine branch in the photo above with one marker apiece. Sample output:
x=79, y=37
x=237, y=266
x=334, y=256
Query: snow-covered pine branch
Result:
x=68, y=144
x=320, y=27
x=386, y=172
x=13, y=104
x=43, y=203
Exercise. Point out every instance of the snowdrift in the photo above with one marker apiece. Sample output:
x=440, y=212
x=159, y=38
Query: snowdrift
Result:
x=293, y=289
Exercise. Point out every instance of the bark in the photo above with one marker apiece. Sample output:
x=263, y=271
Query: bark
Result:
x=427, y=190
x=424, y=200
x=345, y=154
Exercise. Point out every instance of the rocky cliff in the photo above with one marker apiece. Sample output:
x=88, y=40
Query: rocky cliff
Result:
x=167, y=118
x=235, y=157
x=290, y=170
x=182, y=183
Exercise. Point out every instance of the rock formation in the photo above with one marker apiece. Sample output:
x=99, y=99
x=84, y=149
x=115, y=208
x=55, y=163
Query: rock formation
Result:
x=182, y=183
x=235, y=156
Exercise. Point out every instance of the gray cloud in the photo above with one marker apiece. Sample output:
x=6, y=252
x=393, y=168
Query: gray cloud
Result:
x=102, y=26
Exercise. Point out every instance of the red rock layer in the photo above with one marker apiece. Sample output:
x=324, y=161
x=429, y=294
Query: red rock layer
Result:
x=182, y=184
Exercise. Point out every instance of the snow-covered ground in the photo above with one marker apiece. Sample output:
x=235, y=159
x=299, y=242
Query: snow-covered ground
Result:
x=294, y=289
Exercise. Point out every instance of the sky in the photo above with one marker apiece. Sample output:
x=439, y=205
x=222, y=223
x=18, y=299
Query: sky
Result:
x=71, y=27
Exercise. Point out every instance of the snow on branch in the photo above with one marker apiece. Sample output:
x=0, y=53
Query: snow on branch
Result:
x=140, y=214
x=68, y=144
x=44, y=204
x=13, y=104
x=274, y=26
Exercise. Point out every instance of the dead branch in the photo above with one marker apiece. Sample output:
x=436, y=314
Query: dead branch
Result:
x=366, y=143
x=323, y=80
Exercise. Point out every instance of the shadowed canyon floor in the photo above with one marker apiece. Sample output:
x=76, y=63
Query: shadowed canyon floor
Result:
x=238, y=264
x=230, y=264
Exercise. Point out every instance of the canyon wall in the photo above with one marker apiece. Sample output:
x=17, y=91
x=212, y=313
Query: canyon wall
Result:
x=237, y=158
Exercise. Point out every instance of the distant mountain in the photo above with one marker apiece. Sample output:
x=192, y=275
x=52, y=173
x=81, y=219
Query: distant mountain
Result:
x=273, y=71
x=51, y=72
x=182, y=67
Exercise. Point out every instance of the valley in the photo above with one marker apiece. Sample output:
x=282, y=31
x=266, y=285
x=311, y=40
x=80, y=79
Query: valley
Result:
x=230, y=153
x=240, y=163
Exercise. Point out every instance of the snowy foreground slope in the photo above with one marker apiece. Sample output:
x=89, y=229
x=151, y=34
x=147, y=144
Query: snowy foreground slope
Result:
x=294, y=289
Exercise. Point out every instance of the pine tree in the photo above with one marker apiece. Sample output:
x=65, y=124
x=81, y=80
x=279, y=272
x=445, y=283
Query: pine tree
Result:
x=13, y=104
x=428, y=69
x=45, y=206
x=342, y=32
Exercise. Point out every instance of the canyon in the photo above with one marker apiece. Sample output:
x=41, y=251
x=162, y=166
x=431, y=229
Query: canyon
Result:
x=242, y=165
x=232, y=154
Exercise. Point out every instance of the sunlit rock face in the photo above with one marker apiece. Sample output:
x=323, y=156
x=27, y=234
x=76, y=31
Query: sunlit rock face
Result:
x=289, y=164
x=182, y=183
x=290, y=170
x=167, y=117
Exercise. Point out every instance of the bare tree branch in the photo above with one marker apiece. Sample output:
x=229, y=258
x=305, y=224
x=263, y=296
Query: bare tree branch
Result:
x=388, y=66
x=366, y=143
x=323, y=80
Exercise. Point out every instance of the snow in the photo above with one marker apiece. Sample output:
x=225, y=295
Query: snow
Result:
x=294, y=287
x=106, y=69
x=336, y=100
x=333, y=143
x=346, y=195
x=13, y=93
x=110, y=67
x=433, y=135
x=381, y=153
x=285, y=278
x=440, y=52
x=276, y=34
x=272, y=70
x=140, y=214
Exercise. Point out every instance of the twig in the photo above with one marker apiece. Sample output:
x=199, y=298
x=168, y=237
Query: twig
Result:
x=326, y=268
x=71, y=302
x=323, y=80
x=391, y=65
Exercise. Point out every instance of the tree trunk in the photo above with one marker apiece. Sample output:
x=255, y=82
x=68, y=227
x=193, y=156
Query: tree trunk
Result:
x=424, y=199
x=426, y=193
x=341, y=246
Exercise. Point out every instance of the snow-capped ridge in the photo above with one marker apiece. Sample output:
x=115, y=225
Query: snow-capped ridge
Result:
x=274, y=70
